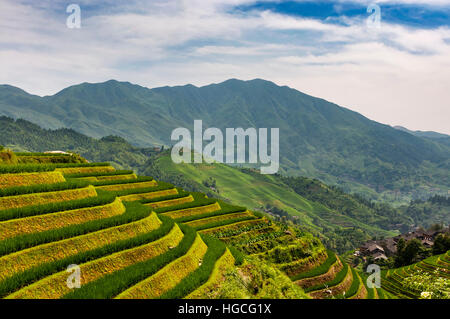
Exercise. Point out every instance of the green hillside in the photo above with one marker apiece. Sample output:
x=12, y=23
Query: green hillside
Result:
x=317, y=138
x=21, y=135
x=340, y=219
x=435, y=210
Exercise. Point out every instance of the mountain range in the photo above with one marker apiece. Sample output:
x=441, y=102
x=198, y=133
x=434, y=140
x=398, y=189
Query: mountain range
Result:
x=438, y=137
x=317, y=138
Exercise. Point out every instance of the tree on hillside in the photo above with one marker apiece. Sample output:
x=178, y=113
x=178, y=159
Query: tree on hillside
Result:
x=408, y=253
x=441, y=244
x=436, y=227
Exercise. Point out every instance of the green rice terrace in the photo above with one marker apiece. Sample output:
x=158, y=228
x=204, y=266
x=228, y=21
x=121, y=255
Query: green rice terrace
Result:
x=133, y=237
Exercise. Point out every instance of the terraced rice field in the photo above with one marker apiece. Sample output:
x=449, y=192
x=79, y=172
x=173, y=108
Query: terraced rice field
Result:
x=40, y=223
x=169, y=276
x=55, y=286
x=393, y=280
x=134, y=237
x=19, y=201
x=29, y=179
x=41, y=238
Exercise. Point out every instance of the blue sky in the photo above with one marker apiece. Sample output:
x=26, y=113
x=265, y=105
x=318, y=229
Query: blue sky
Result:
x=397, y=73
x=410, y=14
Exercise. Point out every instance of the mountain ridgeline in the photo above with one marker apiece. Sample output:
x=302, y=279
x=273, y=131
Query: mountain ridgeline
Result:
x=317, y=138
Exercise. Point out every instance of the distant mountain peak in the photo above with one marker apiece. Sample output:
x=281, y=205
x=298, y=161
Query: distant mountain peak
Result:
x=428, y=134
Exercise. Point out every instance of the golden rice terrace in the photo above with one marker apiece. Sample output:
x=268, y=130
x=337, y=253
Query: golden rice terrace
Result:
x=134, y=237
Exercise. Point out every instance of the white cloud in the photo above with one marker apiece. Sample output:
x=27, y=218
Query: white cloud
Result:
x=394, y=75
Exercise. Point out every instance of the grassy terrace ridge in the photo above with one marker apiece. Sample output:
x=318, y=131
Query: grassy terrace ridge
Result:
x=433, y=261
x=337, y=278
x=133, y=212
x=209, y=213
x=357, y=289
x=216, y=250
x=41, y=223
x=23, y=190
x=139, y=179
x=34, y=256
x=102, y=198
x=336, y=290
x=393, y=280
x=30, y=168
x=207, y=208
x=199, y=223
x=395, y=288
x=139, y=190
x=142, y=197
x=115, y=283
x=54, y=286
x=11, y=284
x=73, y=192
x=29, y=179
x=431, y=267
x=380, y=293
x=85, y=169
x=97, y=174
x=109, y=178
x=234, y=226
x=223, y=264
x=228, y=222
x=41, y=154
x=319, y=270
x=199, y=200
x=231, y=234
x=171, y=202
x=353, y=289
x=169, y=276
x=187, y=213
x=180, y=193
x=124, y=185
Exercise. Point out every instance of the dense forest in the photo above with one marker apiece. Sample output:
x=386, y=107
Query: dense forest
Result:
x=21, y=135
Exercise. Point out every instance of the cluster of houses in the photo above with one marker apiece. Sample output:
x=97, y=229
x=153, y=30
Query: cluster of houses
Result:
x=383, y=249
